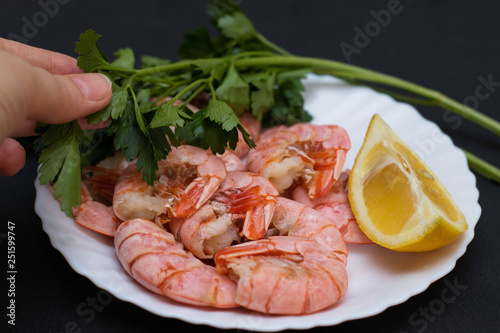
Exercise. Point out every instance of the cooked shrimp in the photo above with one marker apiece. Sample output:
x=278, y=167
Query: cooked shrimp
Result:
x=185, y=180
x=252, y=125
x=242, y=196
x=309, y=154
x=232, y=161
x=294, y=219
x=101, y=181
x=95, y=215
x=335, y=206
x=95, y=211
x=152, y=257
x=284, y=275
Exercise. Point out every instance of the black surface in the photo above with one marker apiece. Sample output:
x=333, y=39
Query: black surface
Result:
x=445, y=45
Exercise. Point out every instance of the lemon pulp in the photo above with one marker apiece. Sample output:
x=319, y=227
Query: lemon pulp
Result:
x=398, y=201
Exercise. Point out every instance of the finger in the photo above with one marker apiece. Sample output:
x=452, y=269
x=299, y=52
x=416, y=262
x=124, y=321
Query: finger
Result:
x=54, y=62
x=65, y=98
x=28, y=92
x=12, y=157
x=27, y=128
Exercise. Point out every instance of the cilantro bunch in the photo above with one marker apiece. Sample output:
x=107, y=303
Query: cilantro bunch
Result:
x=239, y=69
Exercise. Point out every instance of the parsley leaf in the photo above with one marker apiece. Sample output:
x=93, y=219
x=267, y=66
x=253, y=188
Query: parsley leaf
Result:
x=124, y=58
x=95, y=146
x=216, y=69
x=236, y=26
x=152, y=61
x=197, y=45
x=203, y=132
x=220, y=112
x=234, y=91
x=262, y=99
x=114, y=109
x=61, y=163
x=168, y=115
x=126, y=131
x=91, y=57
x=220, y=8
x=289, y=103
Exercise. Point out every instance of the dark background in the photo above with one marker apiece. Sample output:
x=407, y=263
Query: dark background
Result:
x=445, y=45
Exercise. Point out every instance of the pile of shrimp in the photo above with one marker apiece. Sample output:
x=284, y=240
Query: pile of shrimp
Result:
x=264, y=229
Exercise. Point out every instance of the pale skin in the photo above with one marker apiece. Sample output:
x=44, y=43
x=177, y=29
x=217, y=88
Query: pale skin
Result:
x=45, y=86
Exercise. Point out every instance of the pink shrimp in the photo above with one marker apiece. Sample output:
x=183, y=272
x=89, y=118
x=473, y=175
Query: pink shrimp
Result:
x=152, y=257
x=216, y=225
x=335, y=206
x=185, y=180
x=284, y=275
x=294, y=219
x=101, y=181
x=304, y=153
x=232, y=161
x=95, y=211
x=95, y=215
x=252, y=125
x=301, y=273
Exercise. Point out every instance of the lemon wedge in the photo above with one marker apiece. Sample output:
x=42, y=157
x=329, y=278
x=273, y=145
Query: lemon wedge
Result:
x=398, y=201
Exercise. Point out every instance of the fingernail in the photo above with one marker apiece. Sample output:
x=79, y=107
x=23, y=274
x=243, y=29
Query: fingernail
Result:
x=94, y=86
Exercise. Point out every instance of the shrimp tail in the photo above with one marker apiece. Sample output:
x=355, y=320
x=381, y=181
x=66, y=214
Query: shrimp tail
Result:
x=196, y=194
x=257, y=220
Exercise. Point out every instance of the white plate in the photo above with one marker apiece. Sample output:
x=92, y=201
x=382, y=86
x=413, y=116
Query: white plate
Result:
x=378, y=278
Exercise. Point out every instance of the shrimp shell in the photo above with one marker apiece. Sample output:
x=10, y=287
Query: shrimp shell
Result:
x=294, y=219
x=335, y=206
x=152, y=257
x=185, y=180
x=310, y=154
x=284, y=275
x=242, y=196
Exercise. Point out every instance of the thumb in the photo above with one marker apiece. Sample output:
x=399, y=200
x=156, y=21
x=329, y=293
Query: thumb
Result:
x=29, y=92
x=62, y=98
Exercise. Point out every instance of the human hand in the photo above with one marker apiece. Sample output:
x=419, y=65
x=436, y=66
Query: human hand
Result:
x=40, y=85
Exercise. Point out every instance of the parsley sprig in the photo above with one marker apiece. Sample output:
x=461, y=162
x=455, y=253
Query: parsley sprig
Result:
x=238, y=68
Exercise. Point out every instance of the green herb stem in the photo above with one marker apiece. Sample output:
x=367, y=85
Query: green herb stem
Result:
x=188, y=88
x=354, y=73
x=482, y=167
x=350, y=73
x=193, y=95
x=173, y=67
